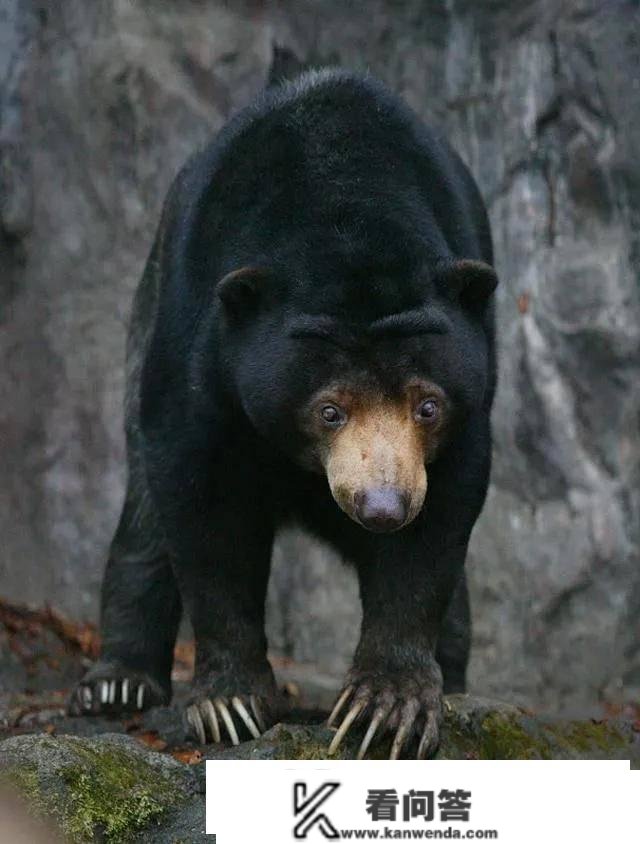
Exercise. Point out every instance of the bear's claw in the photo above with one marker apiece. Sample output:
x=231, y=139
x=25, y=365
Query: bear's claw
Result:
x=107, y=694
x=114, y=690
x=206, y=715
x=406, y=709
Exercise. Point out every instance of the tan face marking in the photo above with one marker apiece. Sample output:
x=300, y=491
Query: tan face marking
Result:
x=380, y=449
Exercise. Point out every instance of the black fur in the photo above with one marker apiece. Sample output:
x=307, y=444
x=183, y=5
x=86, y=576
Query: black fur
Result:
x=356, y=210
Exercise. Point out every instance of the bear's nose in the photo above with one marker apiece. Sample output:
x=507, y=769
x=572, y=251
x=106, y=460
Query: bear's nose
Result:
x=381, y=510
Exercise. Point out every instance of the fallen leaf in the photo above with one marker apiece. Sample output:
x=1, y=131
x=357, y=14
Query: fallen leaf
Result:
x=19, y=618
x=151, y=739
x=189, y=757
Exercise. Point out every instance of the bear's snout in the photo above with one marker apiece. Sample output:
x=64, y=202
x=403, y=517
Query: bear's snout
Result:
x=382, y=510
x=375, y=463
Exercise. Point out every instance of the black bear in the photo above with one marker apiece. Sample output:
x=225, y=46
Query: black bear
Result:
x=312, y=340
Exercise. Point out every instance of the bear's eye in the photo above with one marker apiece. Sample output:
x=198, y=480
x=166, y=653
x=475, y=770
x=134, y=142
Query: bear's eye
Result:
x=331, y=415
x=428, y=410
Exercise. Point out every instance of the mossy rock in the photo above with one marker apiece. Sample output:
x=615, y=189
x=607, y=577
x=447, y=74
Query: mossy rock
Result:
x=105, y=789
x=475, y=728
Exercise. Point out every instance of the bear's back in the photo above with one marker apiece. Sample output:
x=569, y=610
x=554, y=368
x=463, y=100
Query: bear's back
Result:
x=332, y=149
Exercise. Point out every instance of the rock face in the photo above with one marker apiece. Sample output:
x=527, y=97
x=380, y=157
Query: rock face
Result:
x=100, y=103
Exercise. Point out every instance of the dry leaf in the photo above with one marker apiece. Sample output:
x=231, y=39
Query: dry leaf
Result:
x=19, y=618
x=151, y=739
x=189, y=757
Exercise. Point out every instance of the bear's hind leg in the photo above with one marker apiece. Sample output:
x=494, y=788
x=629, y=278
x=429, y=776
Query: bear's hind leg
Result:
x=140, y=614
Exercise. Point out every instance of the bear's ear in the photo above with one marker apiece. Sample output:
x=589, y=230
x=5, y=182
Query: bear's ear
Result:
x=470, y=282
x=239, y=290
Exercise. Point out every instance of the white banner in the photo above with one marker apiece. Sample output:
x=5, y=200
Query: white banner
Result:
x=528, y=802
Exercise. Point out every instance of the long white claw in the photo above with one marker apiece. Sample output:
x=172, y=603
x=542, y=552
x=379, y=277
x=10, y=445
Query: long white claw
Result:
x=209, y=717
x=140, y=696
x=339, y=704
x=428, y=737
x=125, y=691
x=351, y=716
x=240, y=708
x=104, y=691
x=423, y=746
x=195, y=719
x=255, y=708
x=87, y=697
x=398, y=741
x=228, y=720
x=368, y=736
x=112, y=691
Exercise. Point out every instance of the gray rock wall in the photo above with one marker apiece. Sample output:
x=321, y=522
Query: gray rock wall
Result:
x=101, y=102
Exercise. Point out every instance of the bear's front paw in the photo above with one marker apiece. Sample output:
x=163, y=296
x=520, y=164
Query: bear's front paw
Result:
x=211, y=717
x=238, y=704
x=408, y=704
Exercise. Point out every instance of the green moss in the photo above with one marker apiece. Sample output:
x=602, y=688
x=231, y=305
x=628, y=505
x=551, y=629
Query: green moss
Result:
x=456, y=742
x=109, y=793
x=587, y=737
x=114, y=792
x=504, y=737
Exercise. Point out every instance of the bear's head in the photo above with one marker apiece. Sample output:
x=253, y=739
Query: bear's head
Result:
x=369, y=387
